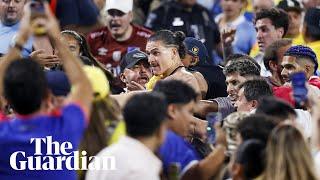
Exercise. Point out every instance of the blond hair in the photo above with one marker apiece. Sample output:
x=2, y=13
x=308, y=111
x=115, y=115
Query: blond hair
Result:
x=288, y=156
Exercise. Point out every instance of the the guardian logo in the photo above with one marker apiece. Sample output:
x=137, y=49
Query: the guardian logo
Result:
x=58, y=157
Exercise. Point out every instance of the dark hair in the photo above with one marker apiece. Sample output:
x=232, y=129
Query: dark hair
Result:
x=255, y=89
x=237, y=57
x=278, y=17
x=176, y=92
x=271, y=52
x=85, y=54
x=243, y=67
x=311, y=33
x=84, y=48
x=25, y=86
x=251, y=155
x=276, y=108
x=144, y=113
x=301, y=53
x=256, y=126
x=171, y=38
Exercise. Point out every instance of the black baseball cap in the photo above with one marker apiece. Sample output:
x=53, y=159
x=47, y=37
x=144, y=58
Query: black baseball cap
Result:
x=132, y=58
x=290, y=5
x=312, y=19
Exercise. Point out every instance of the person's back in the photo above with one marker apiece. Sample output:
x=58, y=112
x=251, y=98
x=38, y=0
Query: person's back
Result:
x=216, y=86
x=24, y=137
x=41, y=145
x=202, y=82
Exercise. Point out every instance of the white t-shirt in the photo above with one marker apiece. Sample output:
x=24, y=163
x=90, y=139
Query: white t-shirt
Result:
x=304, y=120
x=133, y=160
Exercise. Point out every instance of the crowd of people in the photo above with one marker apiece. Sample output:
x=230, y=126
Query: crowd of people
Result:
x=160, y=89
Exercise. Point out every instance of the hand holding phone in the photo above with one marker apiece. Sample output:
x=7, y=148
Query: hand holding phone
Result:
x=212, y=119
x=300, y=90
x=38, y=12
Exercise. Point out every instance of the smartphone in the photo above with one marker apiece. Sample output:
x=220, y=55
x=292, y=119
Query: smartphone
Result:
x=300, y=90
x=37, y=10
x=212, y=118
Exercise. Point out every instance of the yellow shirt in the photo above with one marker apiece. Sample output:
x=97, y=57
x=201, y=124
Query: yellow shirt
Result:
x=254, y=50
x=119, y=132
x=298, y=40
x=152, y=82
x=315, y=46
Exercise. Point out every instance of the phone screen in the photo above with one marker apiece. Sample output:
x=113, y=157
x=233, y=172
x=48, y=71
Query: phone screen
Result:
x=300, y=90
x=212, y=118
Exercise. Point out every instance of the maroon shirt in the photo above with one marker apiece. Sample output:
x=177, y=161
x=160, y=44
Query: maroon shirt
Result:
x=109, y=51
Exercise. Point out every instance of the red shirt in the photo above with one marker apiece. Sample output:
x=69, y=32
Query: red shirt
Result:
x=285, y=92
x=109, y=51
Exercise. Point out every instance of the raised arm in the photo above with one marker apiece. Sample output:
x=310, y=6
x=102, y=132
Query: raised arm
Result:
x=14, y=52
x=82, y=92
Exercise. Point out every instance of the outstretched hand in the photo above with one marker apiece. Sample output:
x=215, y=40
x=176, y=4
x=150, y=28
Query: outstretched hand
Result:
x=227, y=36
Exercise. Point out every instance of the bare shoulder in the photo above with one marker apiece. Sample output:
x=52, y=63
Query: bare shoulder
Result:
x=186, y=77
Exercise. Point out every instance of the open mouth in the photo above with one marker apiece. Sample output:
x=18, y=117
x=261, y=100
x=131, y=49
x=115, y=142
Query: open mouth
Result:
x=143, y=80
x=114, y=25
x=260, y=44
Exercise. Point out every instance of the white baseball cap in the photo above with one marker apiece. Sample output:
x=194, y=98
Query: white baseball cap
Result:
x=122, y=5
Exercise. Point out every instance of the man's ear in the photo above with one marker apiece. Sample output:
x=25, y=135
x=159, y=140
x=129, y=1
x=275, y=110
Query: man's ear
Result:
x=280, y=32
x=130, y=15
x=123, y=78
x=309, y=69
x=254, y=104
x=172, y=109
x=273, y=65
x=175, y=52
x=237, y=171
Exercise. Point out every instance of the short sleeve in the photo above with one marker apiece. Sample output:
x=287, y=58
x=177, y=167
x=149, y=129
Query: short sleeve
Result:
x=225, y=106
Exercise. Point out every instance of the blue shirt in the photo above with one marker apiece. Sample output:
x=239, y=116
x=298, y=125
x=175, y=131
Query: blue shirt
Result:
x=7, y=35
x=176, y=150
x=15, y=135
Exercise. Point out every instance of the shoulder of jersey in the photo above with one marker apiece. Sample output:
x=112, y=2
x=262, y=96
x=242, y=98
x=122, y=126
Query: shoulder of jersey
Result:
x=97, y=33
x=143, y=32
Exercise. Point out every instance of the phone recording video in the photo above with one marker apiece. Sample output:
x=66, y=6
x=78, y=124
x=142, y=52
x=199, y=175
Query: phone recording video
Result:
x=300, y=90
x=37, y=11
x=212, y=118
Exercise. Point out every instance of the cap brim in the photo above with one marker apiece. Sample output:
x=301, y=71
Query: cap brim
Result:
x=135, y=62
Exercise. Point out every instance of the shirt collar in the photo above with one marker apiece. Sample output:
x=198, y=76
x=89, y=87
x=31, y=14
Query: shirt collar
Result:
x=15, y=26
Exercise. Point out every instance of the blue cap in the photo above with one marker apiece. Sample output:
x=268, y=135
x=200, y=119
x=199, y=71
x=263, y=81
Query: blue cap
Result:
x=196, y=48
x=58, y=83
x=303, y=51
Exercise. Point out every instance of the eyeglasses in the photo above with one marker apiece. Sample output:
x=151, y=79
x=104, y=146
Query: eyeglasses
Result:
x=115, y=12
